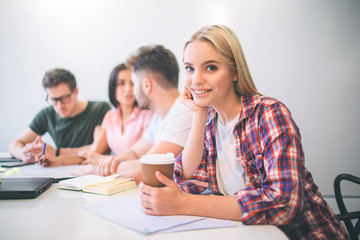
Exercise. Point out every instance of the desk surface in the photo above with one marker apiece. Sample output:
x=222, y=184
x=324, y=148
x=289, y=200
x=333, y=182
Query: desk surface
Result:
x=58, y=214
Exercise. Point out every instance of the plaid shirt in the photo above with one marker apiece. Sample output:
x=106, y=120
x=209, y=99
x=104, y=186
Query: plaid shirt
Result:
x=280, y=190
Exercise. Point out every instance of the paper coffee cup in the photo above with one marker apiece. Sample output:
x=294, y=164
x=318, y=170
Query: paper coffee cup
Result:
x=151, y=163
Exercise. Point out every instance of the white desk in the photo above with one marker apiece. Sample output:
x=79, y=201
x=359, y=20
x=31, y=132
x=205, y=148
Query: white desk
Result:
x=58, y=214
x=35, y=170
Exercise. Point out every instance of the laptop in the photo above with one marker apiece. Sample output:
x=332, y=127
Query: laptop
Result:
x=6, y=157
x=23, y=188
x=10, y=159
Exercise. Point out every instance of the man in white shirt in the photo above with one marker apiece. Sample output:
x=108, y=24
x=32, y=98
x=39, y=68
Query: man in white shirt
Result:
x=155, y=76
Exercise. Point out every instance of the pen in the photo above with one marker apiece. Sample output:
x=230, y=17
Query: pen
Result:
x=42, y=154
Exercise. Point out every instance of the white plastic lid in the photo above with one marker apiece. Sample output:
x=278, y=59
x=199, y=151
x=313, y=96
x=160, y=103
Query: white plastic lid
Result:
x=167, y=158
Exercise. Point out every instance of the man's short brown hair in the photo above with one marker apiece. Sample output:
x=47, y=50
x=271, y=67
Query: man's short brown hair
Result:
x=157, y=61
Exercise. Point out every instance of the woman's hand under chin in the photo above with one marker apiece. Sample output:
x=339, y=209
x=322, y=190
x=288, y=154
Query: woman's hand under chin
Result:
x=188, y=100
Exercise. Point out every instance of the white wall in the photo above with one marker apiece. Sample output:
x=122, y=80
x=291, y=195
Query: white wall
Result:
x=303, y=52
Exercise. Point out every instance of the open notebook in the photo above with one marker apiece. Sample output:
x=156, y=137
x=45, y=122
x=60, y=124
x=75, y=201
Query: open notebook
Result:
x=98, y=184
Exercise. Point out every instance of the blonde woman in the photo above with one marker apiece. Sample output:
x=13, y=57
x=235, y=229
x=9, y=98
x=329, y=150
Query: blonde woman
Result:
x=243, y=146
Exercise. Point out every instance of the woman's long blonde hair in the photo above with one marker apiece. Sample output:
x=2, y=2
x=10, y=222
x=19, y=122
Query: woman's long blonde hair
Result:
x=228, y=45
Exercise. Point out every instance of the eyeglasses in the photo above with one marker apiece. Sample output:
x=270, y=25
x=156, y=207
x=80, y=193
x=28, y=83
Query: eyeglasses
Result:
x=63, y=99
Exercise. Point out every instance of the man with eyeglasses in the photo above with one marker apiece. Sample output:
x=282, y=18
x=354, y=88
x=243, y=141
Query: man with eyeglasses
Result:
x=69, y=121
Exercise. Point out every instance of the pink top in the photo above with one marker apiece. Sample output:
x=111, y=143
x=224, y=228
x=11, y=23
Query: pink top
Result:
x=119, y=141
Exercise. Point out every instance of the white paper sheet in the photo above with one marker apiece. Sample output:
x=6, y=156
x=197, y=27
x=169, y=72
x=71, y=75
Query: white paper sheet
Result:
x=127, y=211
x=35, y=170
x=205, y=223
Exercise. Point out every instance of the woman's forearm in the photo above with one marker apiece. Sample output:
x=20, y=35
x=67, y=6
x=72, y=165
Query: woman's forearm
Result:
x=215, y=206
x=192, y=153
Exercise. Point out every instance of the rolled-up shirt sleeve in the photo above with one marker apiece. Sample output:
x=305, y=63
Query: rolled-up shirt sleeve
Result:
x=198, y=181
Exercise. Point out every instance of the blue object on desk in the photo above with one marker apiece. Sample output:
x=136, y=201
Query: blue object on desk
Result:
x=42, y=154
